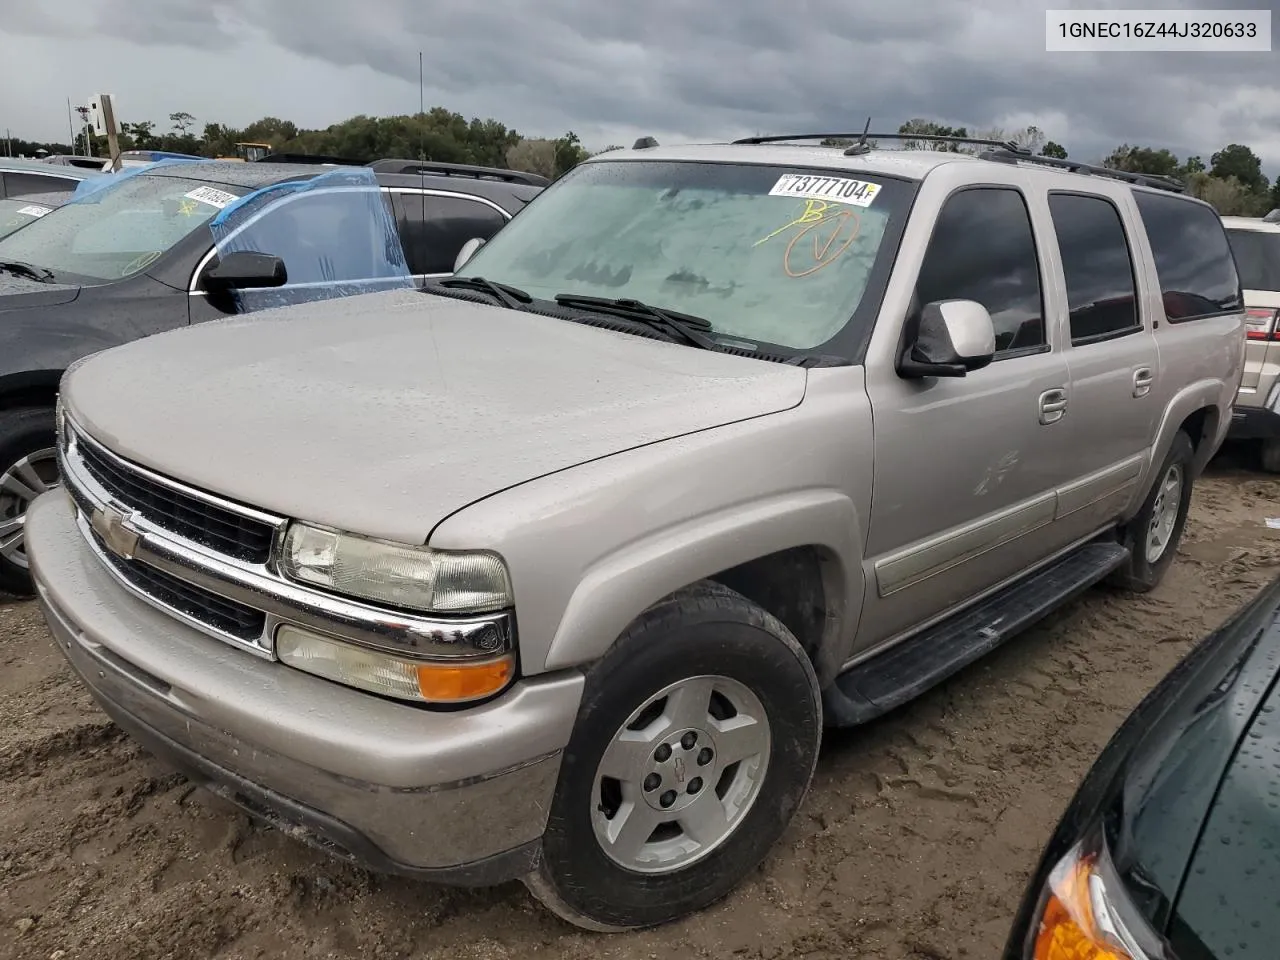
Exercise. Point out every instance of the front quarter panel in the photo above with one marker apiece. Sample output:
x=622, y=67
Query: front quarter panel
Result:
x=592, y=547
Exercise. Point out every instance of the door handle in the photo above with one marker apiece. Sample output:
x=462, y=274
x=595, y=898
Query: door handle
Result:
x=1142, y=380
x=1053, y=405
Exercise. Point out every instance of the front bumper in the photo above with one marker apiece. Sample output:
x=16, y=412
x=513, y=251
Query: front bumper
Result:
x=459, y=797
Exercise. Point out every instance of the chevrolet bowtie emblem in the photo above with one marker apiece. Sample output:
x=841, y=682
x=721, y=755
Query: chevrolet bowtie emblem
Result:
x=115, y=531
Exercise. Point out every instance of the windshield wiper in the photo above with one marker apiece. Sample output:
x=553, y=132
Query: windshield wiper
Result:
x=513, y=298
x=683, y=326
x=21, y=269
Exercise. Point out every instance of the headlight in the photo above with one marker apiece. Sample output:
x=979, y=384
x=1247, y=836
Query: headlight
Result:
x=393, y=676
x=1080, y=917
x=414, y=578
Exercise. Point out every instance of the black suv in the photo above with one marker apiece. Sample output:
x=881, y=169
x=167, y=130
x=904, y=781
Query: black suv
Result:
x=139, y=257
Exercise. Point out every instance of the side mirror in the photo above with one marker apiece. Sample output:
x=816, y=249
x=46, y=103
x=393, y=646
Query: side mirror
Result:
x=467, y=252
x=244, y=270
x=954, y=338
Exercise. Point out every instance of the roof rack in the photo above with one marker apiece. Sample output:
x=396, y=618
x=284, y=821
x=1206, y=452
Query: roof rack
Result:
x=863, y=136
x=431, y=168
x=313, y=158
x=1156, y=181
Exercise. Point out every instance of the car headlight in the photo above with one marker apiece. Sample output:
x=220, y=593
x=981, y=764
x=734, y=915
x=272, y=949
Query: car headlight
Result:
x=399, y=575
x=1081, y=913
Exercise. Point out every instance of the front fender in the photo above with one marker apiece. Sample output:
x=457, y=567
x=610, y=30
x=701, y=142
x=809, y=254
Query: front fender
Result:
x=592, y=547
x=621, y=585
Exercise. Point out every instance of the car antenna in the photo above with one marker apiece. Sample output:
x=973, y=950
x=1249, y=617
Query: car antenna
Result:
x=861, y=147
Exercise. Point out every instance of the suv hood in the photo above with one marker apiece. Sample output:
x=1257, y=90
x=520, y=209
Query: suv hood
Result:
x=382, y=414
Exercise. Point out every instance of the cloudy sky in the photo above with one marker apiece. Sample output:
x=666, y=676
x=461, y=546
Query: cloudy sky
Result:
x=679, y=69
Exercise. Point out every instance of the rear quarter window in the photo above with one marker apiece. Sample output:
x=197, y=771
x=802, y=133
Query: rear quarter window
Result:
x=1194, y=263
x=1257, y=258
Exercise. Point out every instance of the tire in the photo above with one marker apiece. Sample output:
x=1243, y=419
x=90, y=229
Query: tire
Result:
x=704, y=631
x=1145, y=570
x=1270, y=456
x=27, y=435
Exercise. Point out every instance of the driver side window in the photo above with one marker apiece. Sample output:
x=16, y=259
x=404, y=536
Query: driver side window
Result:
x=983, y=249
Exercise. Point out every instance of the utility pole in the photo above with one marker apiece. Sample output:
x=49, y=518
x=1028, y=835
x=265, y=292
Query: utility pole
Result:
x=113, y=144
x=71, y=127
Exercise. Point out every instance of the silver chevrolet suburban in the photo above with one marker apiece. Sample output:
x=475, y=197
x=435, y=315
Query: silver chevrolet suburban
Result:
x=557, y=569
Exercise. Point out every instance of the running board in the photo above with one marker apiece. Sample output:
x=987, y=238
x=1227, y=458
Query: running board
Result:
x=909, y=668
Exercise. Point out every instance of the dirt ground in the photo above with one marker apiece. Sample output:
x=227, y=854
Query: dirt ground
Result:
x=914, y=844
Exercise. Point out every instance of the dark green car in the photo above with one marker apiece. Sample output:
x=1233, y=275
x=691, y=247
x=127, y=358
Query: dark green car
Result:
x=1171, y=848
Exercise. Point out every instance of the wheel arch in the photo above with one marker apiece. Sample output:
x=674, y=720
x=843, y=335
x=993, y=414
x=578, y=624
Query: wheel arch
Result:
x=29, y=388
x=794, y=555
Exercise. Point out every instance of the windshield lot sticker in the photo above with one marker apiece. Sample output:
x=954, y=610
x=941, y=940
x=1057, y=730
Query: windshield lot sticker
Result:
x=214, y=198
x=859, y=193
x=34, y=211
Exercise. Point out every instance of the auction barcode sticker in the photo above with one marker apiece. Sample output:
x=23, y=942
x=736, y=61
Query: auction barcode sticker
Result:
x=215, y=198
x=836, y=189
x=34, y=211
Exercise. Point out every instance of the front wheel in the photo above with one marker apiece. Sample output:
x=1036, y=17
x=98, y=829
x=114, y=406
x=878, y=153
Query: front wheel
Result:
x=694, y=746
x=28, y=467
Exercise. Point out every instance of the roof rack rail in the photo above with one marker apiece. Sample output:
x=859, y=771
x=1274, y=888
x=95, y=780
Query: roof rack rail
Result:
x=432, y=168
x=312, y=158
x=863, y=136
x=1156, y=181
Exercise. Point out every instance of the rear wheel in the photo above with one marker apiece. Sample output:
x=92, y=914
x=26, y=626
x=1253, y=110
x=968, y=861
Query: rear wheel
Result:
x=695, y=744
x=28, y=467
x=1154, y=534
x=1271, y=456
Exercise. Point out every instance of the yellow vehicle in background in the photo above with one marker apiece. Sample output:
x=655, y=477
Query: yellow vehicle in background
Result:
x=250, y=152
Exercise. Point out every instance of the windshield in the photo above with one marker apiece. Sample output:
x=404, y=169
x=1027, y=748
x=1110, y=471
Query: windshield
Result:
x=117, y=231
x=772, y=254
x=1257, y=258
x=17, y=212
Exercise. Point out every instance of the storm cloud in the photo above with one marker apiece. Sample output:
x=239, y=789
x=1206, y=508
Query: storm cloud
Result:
x=677, y=69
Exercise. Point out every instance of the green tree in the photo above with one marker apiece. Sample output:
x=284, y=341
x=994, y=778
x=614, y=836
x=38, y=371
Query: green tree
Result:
x=1193, y=165
x=930, y=128
x=1054, y=149
x=1227, y=195
x=1142, y=160
x=1275, y=194
x=1237, y=160
x=182, y=122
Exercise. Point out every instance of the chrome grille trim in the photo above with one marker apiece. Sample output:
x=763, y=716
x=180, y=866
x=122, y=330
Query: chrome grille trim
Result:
x=258, y=586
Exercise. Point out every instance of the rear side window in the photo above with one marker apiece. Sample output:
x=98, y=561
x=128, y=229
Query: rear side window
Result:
x=983, y=249
x=1194, y=264
x=1098, y=268
x=448, y=223
x=1257, y=258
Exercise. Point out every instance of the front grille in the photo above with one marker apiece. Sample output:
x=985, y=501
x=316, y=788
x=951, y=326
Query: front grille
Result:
x=214, y=611
x=189, y=517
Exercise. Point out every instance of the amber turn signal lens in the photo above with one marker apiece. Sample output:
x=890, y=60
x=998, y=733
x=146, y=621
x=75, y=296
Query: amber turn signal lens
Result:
x=459, y=682
x=1067, y=927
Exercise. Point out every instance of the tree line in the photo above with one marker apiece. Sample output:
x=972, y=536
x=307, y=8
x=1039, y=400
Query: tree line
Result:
x=438, y=135
x=1232, y=180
